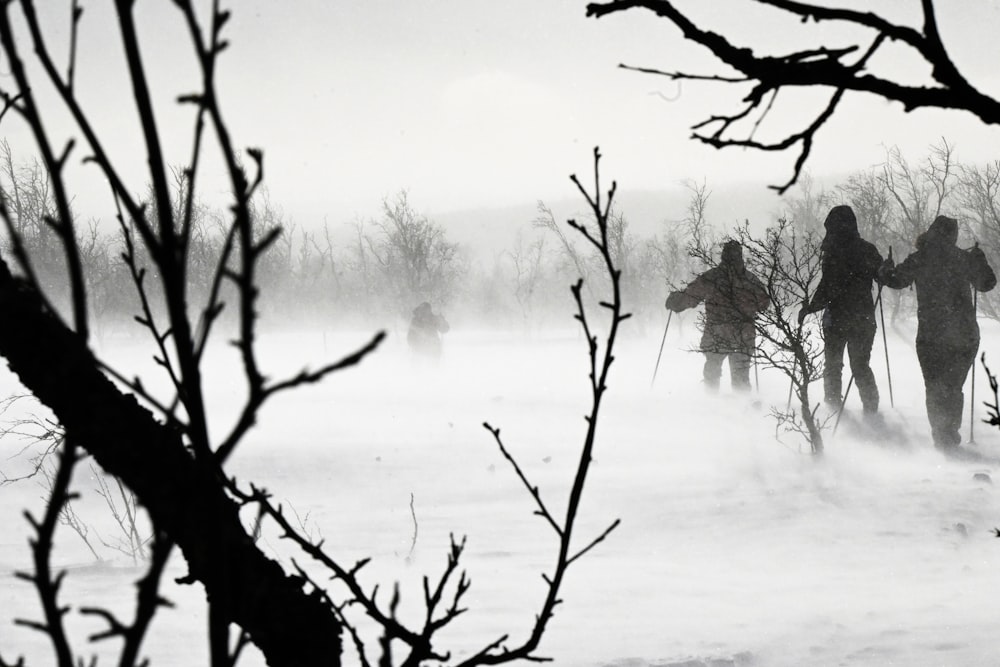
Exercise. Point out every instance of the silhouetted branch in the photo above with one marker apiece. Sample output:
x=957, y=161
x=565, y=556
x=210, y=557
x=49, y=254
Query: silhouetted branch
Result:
x=115, y=627
x=242, y=190
x=19, y=663
x=828, y=68
x=248, y=415
x=597, y=540
x=242, y=641
x=214, y=306
x=532, y=489
x=148, y=598
x=34, y=429
x=393, y=629
x=359, y=645
x=993, y=408
x=65, y=90
x=41, y=549
x=174, y=468
x=168, y=482
x=790, y=264
x=136, y=386
x=63, y=222
x=497, y=653
x=433, y=598
x=76, y=12
x=17, y=242
x=685, y=76
x=147, y=320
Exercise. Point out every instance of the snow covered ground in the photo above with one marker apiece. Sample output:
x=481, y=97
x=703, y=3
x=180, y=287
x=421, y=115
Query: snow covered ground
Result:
x=734, y=548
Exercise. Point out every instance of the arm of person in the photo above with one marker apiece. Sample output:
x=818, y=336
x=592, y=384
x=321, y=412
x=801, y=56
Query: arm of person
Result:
x=898, y=277
x=759, y=294
x=981, y=274
x=823, y=295
x=872, y=262
x=689, y=297
x=820, y=299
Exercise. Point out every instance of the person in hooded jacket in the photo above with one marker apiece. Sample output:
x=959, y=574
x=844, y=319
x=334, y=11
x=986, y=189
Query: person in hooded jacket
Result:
x=947, y=331
x=424, y=334
x=732, y=296
x=850, y=265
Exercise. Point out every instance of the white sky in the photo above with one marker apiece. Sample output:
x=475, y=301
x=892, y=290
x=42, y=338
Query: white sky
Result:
x=470, y=103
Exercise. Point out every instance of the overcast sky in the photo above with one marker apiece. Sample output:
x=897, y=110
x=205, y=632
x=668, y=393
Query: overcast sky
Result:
x=470, y=103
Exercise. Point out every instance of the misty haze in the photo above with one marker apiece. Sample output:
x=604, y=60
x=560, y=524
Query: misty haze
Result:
x=365, y=333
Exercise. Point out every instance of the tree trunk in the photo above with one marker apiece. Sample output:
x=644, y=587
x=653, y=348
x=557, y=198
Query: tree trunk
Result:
x=184, y=498
x=812, y=428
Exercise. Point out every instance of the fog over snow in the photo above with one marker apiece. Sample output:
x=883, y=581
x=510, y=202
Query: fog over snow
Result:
x=734, y=547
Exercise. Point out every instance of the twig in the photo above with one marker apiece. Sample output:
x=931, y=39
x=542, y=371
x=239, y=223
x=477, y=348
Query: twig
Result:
x=542, y=510
x=248, y=415
x=41, y=547
x=413, y=540
x=497, y=653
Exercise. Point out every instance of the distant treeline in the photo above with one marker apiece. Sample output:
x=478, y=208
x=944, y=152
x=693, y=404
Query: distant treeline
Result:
x=400, y=258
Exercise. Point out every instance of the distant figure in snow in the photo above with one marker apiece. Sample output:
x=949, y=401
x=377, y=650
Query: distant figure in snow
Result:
x=947, y=331
x=732, y=296
x=850, y=265
x=425, y=331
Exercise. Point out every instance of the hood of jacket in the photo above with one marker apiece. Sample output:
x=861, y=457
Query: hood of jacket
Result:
x=840, y=225
x=942, y=233
x=732, y=256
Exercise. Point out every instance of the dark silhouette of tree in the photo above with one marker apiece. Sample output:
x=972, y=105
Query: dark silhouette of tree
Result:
x=160, y=444
x=839, y=70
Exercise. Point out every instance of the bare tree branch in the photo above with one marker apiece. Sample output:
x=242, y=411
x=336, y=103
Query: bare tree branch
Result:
x=600, y=364
x=823, y=67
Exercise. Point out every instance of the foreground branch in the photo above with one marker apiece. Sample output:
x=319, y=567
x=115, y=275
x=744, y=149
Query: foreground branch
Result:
x=183, y=498
x=600, y=363
x=824, y=67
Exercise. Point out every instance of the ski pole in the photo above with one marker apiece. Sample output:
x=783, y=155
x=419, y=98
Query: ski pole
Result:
x=885, y=344
x=885, y=347
x=756, y=377
x=664, y=340
x=972, y=391
x=842, y=403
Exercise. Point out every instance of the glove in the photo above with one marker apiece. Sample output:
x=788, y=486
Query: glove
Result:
x=977, y=253
x=802, y=315
x=885, y=270
x=674, y=302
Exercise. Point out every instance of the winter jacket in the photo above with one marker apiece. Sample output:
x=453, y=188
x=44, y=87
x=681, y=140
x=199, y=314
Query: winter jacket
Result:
x=732, y=295
x=425, y=330
x=942, y=274
x=850, y=264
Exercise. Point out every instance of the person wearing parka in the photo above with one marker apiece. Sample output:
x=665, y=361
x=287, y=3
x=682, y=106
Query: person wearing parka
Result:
x=947, y=331
x=424, y=334
x=732, y=296
x=850, y=265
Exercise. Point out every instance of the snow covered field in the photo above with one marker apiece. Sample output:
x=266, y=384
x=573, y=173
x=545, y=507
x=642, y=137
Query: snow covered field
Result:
x=734, y=548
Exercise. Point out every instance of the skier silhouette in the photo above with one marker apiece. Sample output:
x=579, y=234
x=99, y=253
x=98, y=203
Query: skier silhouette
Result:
x=850, y=265
x=947, y=331
x=426, y=327
x=732, y=296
